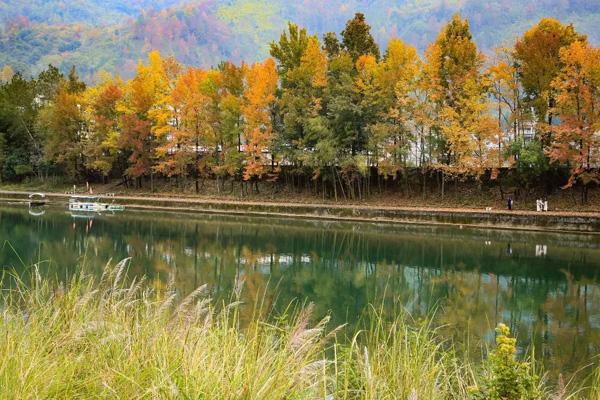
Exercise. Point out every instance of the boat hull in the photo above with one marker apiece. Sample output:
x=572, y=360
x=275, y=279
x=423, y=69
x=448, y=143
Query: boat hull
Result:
x=89, y=207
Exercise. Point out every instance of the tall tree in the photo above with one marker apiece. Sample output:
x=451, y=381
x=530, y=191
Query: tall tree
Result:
x=470, y=131
x=312, y=79
x=143, y=105
x=458, y=58
x=289, y=49
x=357, y=38
x=505, y=88
x=539, y=62
x=192, y=137
x=21, y=150
x=429, y=97
x=63, y=124
x=331, y=44
x=101, y=146
x=62, y=119
x=395, y=84
x=301, y=100
x=230, y=126
x=576, y=142
x=47, y=84
x=464, y=112
x=261, y=83
x=342, y=111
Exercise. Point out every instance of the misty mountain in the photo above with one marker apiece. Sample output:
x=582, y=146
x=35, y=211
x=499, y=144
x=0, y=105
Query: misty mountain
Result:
x=112, y=35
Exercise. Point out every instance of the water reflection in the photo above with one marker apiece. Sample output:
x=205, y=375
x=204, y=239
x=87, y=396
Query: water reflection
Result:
x=545, y=286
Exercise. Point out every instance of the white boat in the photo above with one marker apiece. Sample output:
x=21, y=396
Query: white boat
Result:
x=92, y=204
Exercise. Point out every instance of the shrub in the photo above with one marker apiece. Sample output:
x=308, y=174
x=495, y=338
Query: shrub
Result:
x=506, y=378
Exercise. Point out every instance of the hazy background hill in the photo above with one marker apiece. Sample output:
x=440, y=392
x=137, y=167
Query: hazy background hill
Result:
x=113, y=35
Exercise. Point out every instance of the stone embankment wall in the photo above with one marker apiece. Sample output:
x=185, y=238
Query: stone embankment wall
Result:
x=524, y=220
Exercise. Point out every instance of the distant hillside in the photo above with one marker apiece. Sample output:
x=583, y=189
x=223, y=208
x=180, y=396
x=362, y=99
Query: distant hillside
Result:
x=113, y=35
x=95, y=12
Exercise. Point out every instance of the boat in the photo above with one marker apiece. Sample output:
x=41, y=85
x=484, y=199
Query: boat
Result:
x=92, y=204
x=37, y=200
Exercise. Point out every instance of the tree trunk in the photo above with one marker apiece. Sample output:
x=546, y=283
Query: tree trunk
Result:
x=334, y=184
x=424, y=176
x=443, y=183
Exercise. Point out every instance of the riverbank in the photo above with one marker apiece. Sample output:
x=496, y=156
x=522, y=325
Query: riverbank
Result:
x=113, y=338
x=459, y=195
x=560, y=221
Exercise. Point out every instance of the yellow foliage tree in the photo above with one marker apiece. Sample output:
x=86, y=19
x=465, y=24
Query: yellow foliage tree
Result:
x=144, y=105
x=261, y=83
x=102, y=142
x=395, y=79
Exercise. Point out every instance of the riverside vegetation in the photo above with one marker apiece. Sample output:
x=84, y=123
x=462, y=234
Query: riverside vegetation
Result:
x=117, y=337
x=332, y=116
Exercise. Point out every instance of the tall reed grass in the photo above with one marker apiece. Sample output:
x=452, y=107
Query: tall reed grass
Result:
x=117, y=338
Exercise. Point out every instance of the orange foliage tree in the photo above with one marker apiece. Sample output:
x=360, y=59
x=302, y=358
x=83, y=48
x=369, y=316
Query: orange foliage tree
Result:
x=261, y=83
x=189, y=133
x=576, y=141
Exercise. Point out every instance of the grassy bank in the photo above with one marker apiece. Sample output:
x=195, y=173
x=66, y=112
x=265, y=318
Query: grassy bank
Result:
x=116, y=338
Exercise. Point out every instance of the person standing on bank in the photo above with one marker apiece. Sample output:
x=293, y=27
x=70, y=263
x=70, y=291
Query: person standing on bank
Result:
x=509, y=203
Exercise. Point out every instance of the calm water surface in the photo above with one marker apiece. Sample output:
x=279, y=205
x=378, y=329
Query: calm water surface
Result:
x=545, y=286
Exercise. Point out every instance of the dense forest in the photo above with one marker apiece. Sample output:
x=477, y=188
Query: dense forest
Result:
x=332, y=114
x=113, y=35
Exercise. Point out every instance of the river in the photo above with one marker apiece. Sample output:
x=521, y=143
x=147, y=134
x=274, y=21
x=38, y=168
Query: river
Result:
x=545, y=286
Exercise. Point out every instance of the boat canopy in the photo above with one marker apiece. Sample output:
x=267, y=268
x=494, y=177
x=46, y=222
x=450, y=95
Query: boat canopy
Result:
x=32, y=195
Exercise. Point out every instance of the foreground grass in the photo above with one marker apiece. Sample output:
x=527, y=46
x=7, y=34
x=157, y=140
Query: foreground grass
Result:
x=108, y=339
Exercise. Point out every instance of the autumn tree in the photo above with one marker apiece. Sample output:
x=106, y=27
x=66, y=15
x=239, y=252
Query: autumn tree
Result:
x=301, y=101
x=101, y=145
x=309, y=98
x=394, y=86
x=261, y=83
x=470, y=131
x=143, y=105
x=505, y=88
x=191, y=130
x=230, y=155
x=576, y=142
x=64, y=126
x=465, y=122
x=538, y=55
x=428, y=100
x=459, y=59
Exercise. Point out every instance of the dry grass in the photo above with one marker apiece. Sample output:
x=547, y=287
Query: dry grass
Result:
x=113, y=338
